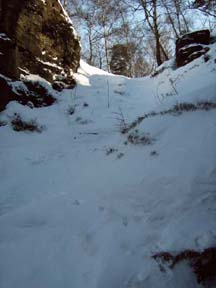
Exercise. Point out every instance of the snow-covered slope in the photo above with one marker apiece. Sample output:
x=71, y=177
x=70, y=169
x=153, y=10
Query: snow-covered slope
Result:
x=82, y=206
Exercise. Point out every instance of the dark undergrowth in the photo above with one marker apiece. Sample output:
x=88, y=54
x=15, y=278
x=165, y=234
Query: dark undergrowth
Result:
x=2, y=123
x=203, y=263
x=176, y=110
x=18, y=124
x=135, y=138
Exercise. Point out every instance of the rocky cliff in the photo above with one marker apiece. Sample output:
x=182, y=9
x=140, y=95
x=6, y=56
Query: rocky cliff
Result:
x=37, y=36
x=191, y=46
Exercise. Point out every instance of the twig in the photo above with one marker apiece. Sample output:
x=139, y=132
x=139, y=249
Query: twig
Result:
x=89, y=133
x=108, y=94
x=173, y=86
x=121, y=119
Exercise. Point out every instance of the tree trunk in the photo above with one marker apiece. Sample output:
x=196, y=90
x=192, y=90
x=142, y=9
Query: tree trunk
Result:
x=106, y=49
x=90, y=46
x=65, y=2
x=157, y=34
x=154, y=28
x=170, y=18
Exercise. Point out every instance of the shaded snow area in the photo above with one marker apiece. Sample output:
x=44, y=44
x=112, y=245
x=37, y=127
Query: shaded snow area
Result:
x=84, y=205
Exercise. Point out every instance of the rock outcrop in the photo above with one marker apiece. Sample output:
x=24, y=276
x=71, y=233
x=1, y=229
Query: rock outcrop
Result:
x=191, y=46
x=37, y=36
x=34, y=93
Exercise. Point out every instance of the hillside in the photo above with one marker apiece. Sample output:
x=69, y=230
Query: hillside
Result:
x=116, y=171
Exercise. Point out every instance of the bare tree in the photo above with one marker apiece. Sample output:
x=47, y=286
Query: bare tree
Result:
x=151, y=25
x=150, y=8
x=107, y=19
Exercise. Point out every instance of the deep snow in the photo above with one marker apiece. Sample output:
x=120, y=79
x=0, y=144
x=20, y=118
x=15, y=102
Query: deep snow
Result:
x=73, y=216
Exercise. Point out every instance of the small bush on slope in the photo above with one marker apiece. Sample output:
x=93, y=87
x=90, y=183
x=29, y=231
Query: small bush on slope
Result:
x=19, y=124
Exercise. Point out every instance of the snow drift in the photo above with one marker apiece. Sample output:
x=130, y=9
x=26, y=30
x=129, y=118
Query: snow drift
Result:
x=84, y=205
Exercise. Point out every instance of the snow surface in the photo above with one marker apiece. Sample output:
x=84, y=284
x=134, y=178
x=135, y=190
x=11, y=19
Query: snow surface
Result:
x=4, y=37
x=73, y=216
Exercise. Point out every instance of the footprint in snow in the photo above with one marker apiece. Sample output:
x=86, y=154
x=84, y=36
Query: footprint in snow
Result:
x=125, y=221
x=33, y=223
x=88, y=244
x=101, y=208
x=76, y=203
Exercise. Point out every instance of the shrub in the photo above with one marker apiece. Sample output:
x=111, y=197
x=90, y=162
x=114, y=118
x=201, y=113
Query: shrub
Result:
x=19, y=124
x=135, y=138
